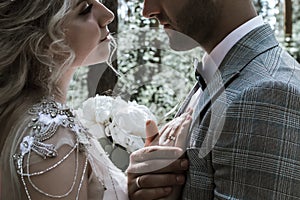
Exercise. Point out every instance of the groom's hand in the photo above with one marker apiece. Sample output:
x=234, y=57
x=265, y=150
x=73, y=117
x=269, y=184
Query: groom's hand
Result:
x=154, y=171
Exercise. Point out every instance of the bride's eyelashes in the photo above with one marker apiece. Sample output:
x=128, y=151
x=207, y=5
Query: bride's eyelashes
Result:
x=87, y=9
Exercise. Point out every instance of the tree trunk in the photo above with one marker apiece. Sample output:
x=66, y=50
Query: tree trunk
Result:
x=288, y=15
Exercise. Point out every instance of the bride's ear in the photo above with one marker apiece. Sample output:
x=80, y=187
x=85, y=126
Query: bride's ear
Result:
x=151, y=133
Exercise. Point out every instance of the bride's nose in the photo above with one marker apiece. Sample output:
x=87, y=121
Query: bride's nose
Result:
x=104, y=15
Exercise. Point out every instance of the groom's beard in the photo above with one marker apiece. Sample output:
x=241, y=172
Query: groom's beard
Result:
x=193, y=26
x=178, y=40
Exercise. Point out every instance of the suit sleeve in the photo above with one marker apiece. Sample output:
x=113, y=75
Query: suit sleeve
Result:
x=257, y=153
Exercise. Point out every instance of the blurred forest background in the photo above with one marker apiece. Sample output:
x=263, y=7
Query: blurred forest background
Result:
x=150, y=72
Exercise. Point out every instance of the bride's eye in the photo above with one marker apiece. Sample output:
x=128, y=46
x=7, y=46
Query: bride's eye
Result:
x=87, y=9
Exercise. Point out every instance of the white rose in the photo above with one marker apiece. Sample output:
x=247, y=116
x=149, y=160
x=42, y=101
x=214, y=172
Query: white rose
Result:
x=132, y=118
x=119, y=136
x=103, y=107
x=95, y=112
x=124, y=122
x=128, y=127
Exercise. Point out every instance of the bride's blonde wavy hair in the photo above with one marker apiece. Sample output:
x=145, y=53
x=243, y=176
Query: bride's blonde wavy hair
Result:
x=32, y=43
x=33, y=56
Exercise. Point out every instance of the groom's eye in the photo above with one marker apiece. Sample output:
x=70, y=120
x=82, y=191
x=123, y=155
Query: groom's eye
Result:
x=87, y=9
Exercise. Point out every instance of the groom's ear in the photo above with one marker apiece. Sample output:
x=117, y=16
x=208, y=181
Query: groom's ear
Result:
x=151, y=133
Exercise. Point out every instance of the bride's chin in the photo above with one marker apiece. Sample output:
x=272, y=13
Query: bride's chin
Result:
x=98, y=55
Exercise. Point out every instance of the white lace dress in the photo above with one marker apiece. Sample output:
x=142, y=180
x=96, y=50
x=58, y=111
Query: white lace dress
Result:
x=105, y=182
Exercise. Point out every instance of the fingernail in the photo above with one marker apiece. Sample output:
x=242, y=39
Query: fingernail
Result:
x=184, y=164
x=180, y=179
x=151, y=126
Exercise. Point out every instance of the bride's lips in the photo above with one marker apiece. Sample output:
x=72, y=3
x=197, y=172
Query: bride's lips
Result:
x=105, y=38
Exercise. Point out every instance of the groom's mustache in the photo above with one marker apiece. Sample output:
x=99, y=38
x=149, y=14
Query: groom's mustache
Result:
x=163, y=19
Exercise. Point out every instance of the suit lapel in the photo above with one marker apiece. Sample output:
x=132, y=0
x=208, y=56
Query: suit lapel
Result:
x=248, y=48
x=210, y=94
x=187, y=100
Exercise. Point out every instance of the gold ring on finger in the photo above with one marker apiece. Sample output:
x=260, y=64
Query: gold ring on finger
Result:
x=137, y=181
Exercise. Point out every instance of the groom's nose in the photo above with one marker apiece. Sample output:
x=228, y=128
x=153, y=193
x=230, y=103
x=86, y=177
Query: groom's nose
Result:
x=151, y=8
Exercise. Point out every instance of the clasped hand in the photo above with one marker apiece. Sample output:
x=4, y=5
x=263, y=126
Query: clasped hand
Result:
x=157, y=171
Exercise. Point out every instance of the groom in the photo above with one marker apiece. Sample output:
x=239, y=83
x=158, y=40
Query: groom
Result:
x=244, y=140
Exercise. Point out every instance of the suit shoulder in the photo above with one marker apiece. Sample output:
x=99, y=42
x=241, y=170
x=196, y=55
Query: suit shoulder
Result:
x=271, y=92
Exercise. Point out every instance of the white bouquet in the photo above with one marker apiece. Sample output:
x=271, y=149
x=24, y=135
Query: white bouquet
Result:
x=124, y=122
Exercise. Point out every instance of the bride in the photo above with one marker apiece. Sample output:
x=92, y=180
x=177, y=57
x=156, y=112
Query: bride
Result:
x=45, y=152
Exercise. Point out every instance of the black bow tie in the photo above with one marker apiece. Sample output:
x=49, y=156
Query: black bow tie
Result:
x=198, y=76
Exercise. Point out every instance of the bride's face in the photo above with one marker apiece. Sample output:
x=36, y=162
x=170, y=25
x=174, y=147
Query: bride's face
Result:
x=87, y=33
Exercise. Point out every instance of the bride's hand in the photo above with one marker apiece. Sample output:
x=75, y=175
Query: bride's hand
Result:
x=174, y=133
x=157, y=171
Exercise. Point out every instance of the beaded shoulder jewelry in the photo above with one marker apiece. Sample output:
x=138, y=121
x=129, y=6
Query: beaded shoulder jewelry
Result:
x=47, y=116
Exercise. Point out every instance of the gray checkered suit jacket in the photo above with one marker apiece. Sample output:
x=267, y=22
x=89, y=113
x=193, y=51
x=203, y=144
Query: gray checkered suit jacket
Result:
x=245, y=138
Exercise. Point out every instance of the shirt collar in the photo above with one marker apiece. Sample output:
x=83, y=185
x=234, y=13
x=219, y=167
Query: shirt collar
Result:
x=212, y=61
